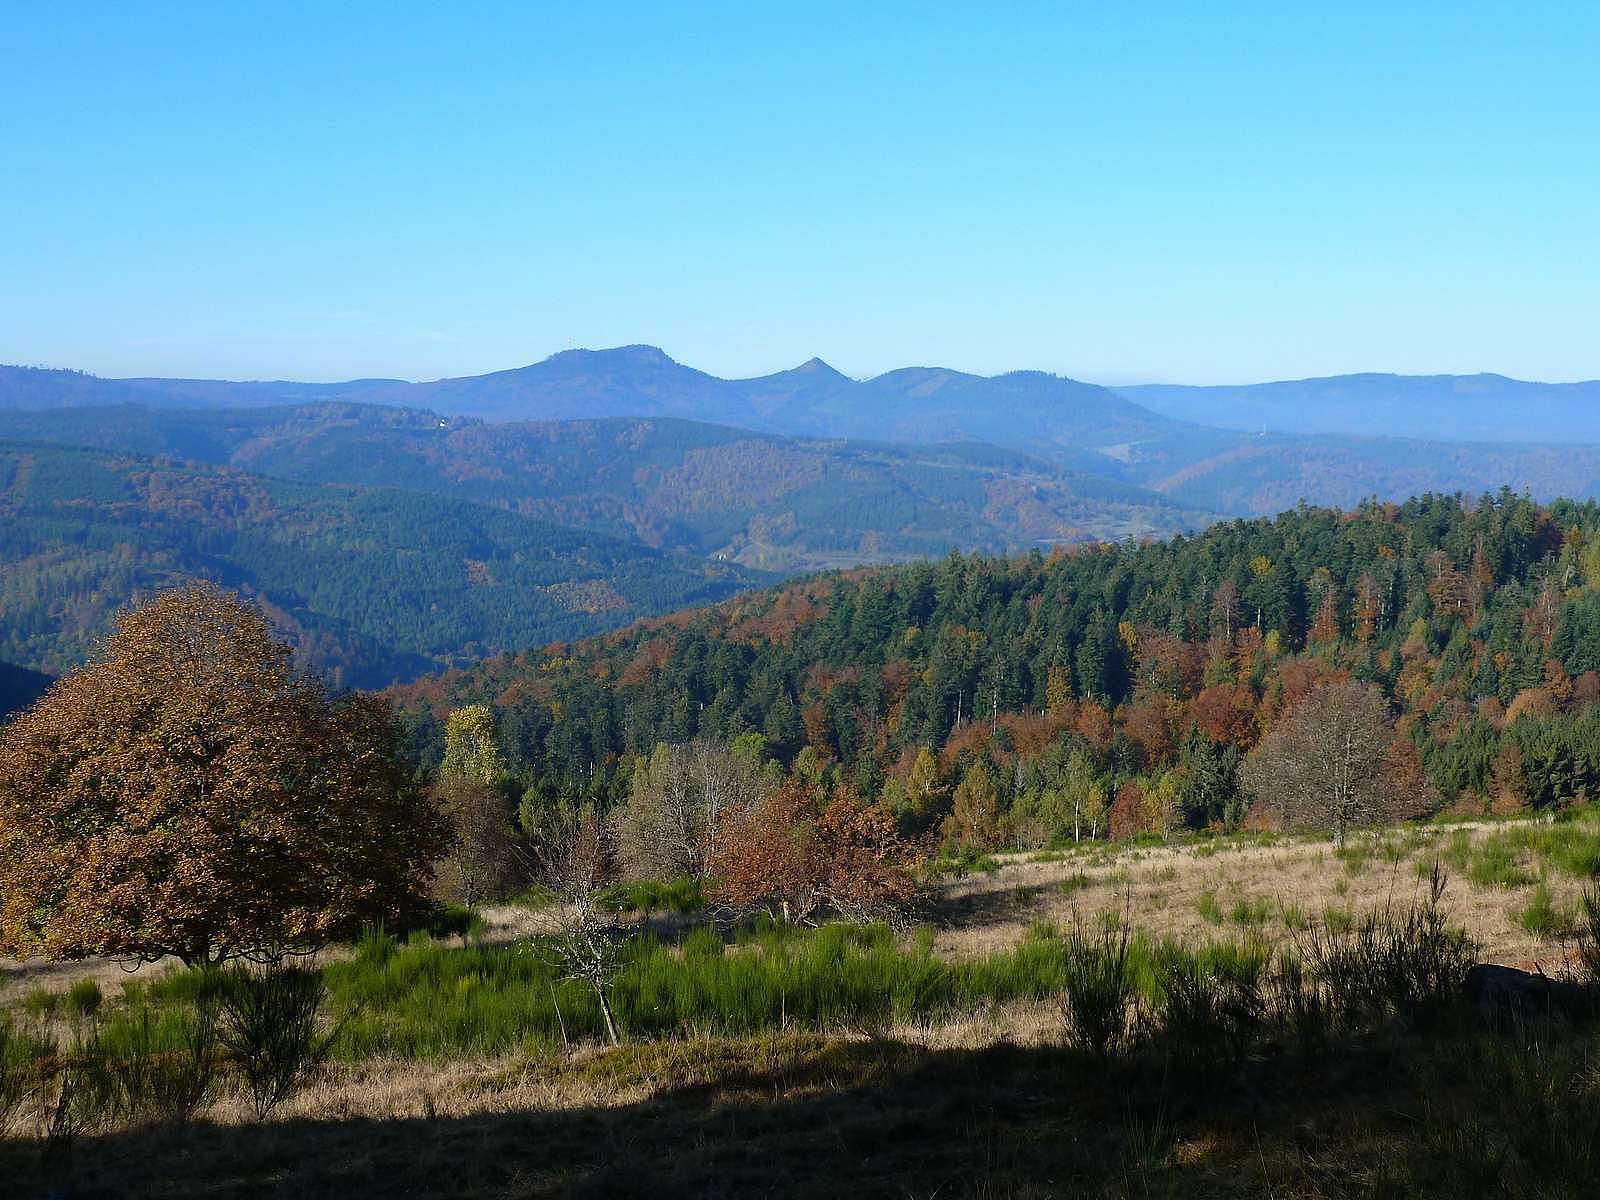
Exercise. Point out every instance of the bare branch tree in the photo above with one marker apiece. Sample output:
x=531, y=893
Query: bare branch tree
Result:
x=1323, y=764
x=574, y=858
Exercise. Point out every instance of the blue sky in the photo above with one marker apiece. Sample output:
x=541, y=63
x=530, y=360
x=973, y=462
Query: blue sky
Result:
x=1183, y=192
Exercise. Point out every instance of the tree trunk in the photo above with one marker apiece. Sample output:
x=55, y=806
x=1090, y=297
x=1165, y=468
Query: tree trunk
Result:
x=605, y=1011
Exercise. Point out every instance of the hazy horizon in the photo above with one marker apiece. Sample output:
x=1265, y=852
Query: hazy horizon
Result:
x=1109, y=382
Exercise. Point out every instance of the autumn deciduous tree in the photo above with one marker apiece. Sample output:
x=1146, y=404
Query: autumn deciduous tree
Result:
x=469, y=792
x=974, y=818
x=1323, y=764
x=1129, y=815
x=795, y=854
x=189, y=793
x=675, y=810
x=1226, y=713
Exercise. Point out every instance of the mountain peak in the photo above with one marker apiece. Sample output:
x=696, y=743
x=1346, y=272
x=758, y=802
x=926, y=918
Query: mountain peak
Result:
x=639, y=354
x=815, y=366
x=642, y=353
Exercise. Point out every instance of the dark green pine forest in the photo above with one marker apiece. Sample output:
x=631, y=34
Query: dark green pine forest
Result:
x=1154, y=668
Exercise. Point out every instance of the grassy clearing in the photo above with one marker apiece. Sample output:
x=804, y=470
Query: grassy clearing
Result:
x=1521, y=852
x=1178, y=1073
x=427, y=999
x=812, y=1116
x=1543, y=917
x=1494, y=865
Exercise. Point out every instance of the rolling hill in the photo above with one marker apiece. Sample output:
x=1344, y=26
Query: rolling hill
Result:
x=374, y=583
x=1255, y=476
x=771, y=502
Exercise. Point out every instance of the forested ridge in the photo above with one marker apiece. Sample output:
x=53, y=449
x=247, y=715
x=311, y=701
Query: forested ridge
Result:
x=1146, y=672
x=373, y=583
x=770, y=502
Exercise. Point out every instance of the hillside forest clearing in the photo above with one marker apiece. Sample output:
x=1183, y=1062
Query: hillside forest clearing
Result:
x=1270, y=884
x=447, y=1065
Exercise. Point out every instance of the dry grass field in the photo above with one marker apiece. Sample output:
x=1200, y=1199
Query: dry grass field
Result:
x=1272, y=887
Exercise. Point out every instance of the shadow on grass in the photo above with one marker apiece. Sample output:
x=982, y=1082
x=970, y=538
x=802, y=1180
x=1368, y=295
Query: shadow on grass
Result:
x=983, y=909
x=807, y=1115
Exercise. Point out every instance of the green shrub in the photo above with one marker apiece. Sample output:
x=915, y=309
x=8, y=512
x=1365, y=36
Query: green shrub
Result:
x=271, y=1027
x=1408, y=963
x=452, y=920
x=1337, y=920
x=967, y=860
x=82, y=999
x=1251, y=913
x=1354, y=855
x=1298, y=1002
x=683, y=895
x=1571, y=846
x=1209, y=1005
x=1496, y=863
x=1097, y=988
x=1515, y=1116
x=20, y=1073
x=1541, y=917
x=152, y=1066
x=1075, y=882
x=1588, y=925
x=1208, y=907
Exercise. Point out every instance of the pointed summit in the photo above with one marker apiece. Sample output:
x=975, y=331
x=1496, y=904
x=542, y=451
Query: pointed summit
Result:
x=815, y=366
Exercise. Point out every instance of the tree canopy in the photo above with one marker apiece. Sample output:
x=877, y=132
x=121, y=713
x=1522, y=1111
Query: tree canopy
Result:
x=190, y=793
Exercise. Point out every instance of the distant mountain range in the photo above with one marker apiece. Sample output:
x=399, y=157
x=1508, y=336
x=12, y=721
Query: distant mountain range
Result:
x=916, y=404
x=1471, y=408
x=1027, y=410
x=1332, y=441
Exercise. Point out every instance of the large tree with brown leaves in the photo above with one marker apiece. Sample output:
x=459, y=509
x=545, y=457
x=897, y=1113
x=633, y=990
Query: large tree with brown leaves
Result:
x=190, y=793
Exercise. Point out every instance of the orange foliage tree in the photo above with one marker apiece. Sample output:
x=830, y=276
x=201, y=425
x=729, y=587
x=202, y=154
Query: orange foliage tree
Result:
x=793, y=854
x=1226, y=713
x=189, y=793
